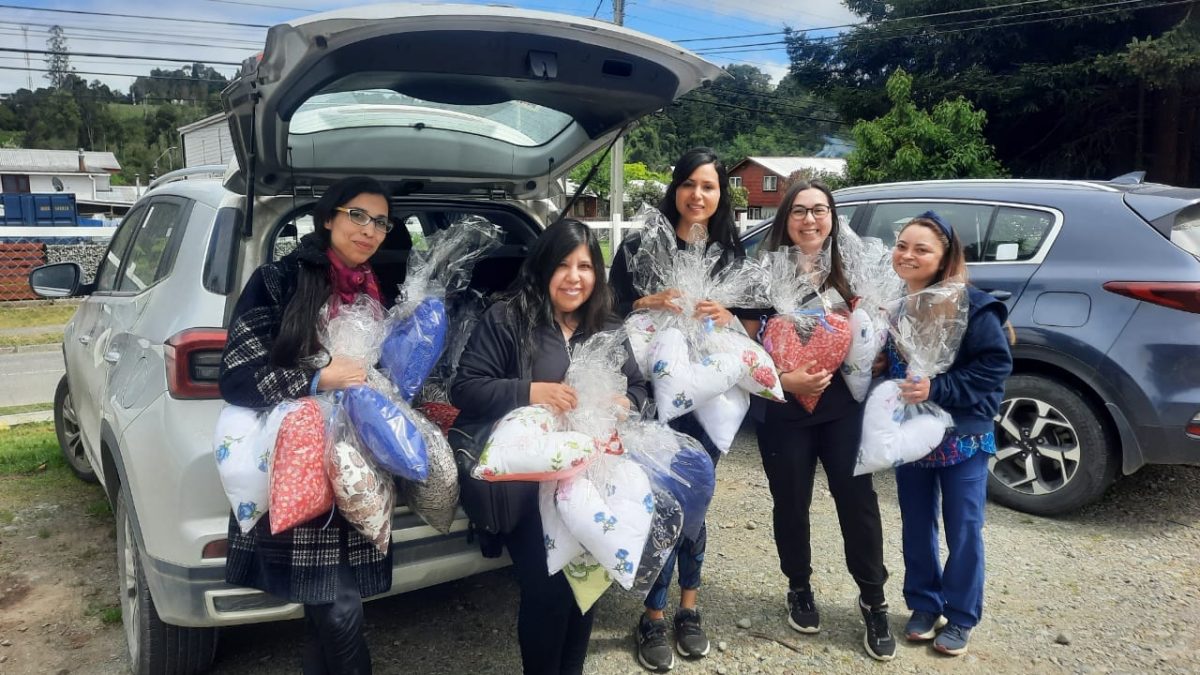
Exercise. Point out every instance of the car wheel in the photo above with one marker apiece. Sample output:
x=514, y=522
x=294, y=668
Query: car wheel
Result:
x=66, y=427
x=154, y=646
x=1054, y=454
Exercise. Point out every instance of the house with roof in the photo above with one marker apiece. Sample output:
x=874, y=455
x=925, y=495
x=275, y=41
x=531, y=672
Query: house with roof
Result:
x=206, y=142
x=87, y=175
x=765, y=179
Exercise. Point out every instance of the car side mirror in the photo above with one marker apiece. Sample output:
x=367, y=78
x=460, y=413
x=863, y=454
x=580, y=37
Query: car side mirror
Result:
x=59, y=280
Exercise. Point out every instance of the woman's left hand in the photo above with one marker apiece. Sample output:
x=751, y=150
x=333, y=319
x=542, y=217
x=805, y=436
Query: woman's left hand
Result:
x=707, y=309
x=915, y=389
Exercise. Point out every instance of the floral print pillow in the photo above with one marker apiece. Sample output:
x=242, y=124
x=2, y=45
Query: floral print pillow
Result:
x=525, y=445
x=365, y=495
x=680, y=384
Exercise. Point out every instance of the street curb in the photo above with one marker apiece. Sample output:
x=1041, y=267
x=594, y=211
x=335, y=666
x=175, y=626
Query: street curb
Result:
x=26, y=418
x=24, y=349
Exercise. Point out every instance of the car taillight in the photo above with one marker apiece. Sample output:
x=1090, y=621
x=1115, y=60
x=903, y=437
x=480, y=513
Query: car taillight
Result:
x=217, y=548
x=194, y=362
x=1193, y=427
x=1182, y=295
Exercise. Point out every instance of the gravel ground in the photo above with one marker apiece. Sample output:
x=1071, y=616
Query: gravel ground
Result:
x=1113, y=589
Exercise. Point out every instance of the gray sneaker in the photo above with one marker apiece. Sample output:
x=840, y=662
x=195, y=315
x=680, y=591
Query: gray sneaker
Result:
x=923, y=626
x=690, y=638
x=953, y=640
x=653, y=648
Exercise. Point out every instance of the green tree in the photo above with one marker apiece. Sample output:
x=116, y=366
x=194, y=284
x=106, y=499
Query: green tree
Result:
x=739, y=197
x=909, y=143
x=58, y=61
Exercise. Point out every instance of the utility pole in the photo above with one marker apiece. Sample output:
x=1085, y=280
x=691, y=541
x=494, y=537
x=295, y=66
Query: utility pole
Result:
x=616, y=192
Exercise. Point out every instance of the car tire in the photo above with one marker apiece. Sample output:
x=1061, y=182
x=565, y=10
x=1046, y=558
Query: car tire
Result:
x=70, y=442
x=154, y=647
x=1055, y=453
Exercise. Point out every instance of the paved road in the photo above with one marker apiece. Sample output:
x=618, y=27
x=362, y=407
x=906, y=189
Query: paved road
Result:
x=29, y=377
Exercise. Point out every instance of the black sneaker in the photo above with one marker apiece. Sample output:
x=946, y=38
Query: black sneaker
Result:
x=802, y=612
x=653, y=650
x=877, y=639
x=690, y=639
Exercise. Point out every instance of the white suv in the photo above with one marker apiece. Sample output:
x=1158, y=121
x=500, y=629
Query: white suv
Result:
x=459, y=110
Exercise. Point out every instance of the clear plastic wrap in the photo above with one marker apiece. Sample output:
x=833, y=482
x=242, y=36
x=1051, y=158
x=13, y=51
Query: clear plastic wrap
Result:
x=299, y=487
x=676, y=463
x=868, y=267
x=596, y=373
x=528, y=444
x=927, y=328
x=811, y=325
x=365, y=495
x=385, y=426
x=353, y=330
x=418, y=337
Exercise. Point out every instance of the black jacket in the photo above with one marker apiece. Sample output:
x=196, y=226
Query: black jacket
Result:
x=492, y=377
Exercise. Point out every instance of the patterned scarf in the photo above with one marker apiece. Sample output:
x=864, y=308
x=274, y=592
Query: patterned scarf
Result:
x=350, y=281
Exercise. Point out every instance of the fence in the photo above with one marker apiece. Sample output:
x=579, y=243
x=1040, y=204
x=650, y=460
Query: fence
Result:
x=24, y=248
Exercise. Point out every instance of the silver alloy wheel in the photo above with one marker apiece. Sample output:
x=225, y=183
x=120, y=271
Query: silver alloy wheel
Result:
x=130, y=589
x=72, y=443
x=1037, y=449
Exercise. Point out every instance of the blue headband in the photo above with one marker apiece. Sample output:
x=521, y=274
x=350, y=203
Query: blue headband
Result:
x=937, y=220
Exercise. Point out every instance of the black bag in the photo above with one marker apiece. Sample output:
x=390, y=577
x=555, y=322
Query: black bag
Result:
x=493, y=508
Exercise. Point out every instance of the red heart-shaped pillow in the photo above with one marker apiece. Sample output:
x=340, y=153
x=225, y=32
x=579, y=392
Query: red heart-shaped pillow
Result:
x=827, y=346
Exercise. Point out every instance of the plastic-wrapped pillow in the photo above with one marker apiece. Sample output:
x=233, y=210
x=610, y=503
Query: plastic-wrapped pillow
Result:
x=561, y=546
x=890, y=438
x=640, y=327
x=867, y=337
x=365, y=495
x=826, y=345
x=609, y=509
x=440, y=413
x=436, y=499
x=664, y=535
x=691, y=479
x=414, y=346
x=722, y=417
x=387, y=432
x=759, y=376
x=300, y=489
x=525, y=446
x=680, y=384
x=588, y=581
x=242, y=456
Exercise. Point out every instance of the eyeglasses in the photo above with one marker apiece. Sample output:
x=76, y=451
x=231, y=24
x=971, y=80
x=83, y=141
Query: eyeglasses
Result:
x=362, y=219
x=818, y=211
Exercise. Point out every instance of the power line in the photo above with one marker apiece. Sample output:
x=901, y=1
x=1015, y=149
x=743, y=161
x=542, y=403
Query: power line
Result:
x=137, y=41
x=137, y=16
x=71, y=33
x=127, y=56
x=733, y=106
x=148, y=77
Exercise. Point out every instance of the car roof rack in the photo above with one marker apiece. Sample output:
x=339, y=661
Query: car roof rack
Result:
x=207, y=170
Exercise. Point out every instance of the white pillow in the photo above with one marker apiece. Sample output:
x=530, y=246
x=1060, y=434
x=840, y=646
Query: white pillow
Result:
x=561, y=546
x=867, y=336
x=525, y=446
x=609, y=509
x=680, y=384
x=365, y=495
x=890, y=437
x=242, y=444
x=722, y=416
x=641, y=326
x=759, y=374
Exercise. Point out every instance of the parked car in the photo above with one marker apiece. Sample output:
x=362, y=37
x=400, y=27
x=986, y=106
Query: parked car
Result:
x=1102, y=282
x=459, y=110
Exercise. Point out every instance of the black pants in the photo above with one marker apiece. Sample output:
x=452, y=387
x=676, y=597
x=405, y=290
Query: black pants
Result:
x=789, y=455
x=552, y=632
x=336, y=645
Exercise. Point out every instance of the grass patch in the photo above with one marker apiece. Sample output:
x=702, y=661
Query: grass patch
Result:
x=31, y=339
x=98, y=508
x=6, y=517
x=109, y=614
x=27, y=448
x=606, y=249
x=27, y=408
x=40, y=315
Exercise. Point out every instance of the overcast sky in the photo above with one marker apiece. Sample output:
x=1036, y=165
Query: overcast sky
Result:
x=169, y=34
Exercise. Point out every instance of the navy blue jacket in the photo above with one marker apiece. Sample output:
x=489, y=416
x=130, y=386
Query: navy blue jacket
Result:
x=971, y=390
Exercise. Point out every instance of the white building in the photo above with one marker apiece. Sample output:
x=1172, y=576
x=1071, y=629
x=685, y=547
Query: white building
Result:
x=206, y=141
x=88, y=175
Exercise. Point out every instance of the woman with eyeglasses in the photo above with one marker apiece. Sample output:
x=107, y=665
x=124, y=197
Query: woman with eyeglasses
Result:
x=696, y=202
x=324, y=564
x=792, y=441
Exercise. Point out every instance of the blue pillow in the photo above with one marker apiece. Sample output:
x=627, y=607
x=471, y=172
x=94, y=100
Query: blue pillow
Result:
x=387, y=433
x=693, y=465
x=414, y=346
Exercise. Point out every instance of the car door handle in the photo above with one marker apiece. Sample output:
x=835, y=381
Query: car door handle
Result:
x=85, y=339
x=112, y=357
x=1000, y=294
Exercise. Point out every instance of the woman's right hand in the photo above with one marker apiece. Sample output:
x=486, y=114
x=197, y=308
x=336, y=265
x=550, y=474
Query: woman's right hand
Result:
x=879, y=367
x=342, y=372
x=559, y=397
x=661, y=300
x=804, y=381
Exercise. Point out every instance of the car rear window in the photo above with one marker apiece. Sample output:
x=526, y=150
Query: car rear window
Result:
x=1185, y=233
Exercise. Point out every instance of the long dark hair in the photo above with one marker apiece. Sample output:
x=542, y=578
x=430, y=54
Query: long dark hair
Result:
x=778, y=237
x=954, y=259
x=298, y=327
x=721, y=228
x=529, y=300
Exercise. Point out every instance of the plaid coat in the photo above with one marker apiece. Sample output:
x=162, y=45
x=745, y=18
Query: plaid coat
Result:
x=300, y=564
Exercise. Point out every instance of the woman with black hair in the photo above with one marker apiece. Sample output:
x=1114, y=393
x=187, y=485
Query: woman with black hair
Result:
x=518, y=356
x=324, y=564
x=792, y=440
x=696, y=202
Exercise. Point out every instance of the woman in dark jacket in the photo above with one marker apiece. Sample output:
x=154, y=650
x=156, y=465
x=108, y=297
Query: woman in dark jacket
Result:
x=518, y=356
x=698, y=195
x=324, y=564
x=792, y=440
x=952, y=479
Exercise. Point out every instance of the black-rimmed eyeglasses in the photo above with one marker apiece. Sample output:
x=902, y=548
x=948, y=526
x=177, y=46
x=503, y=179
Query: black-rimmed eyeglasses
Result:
x=818, y=211
x=362, y=219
